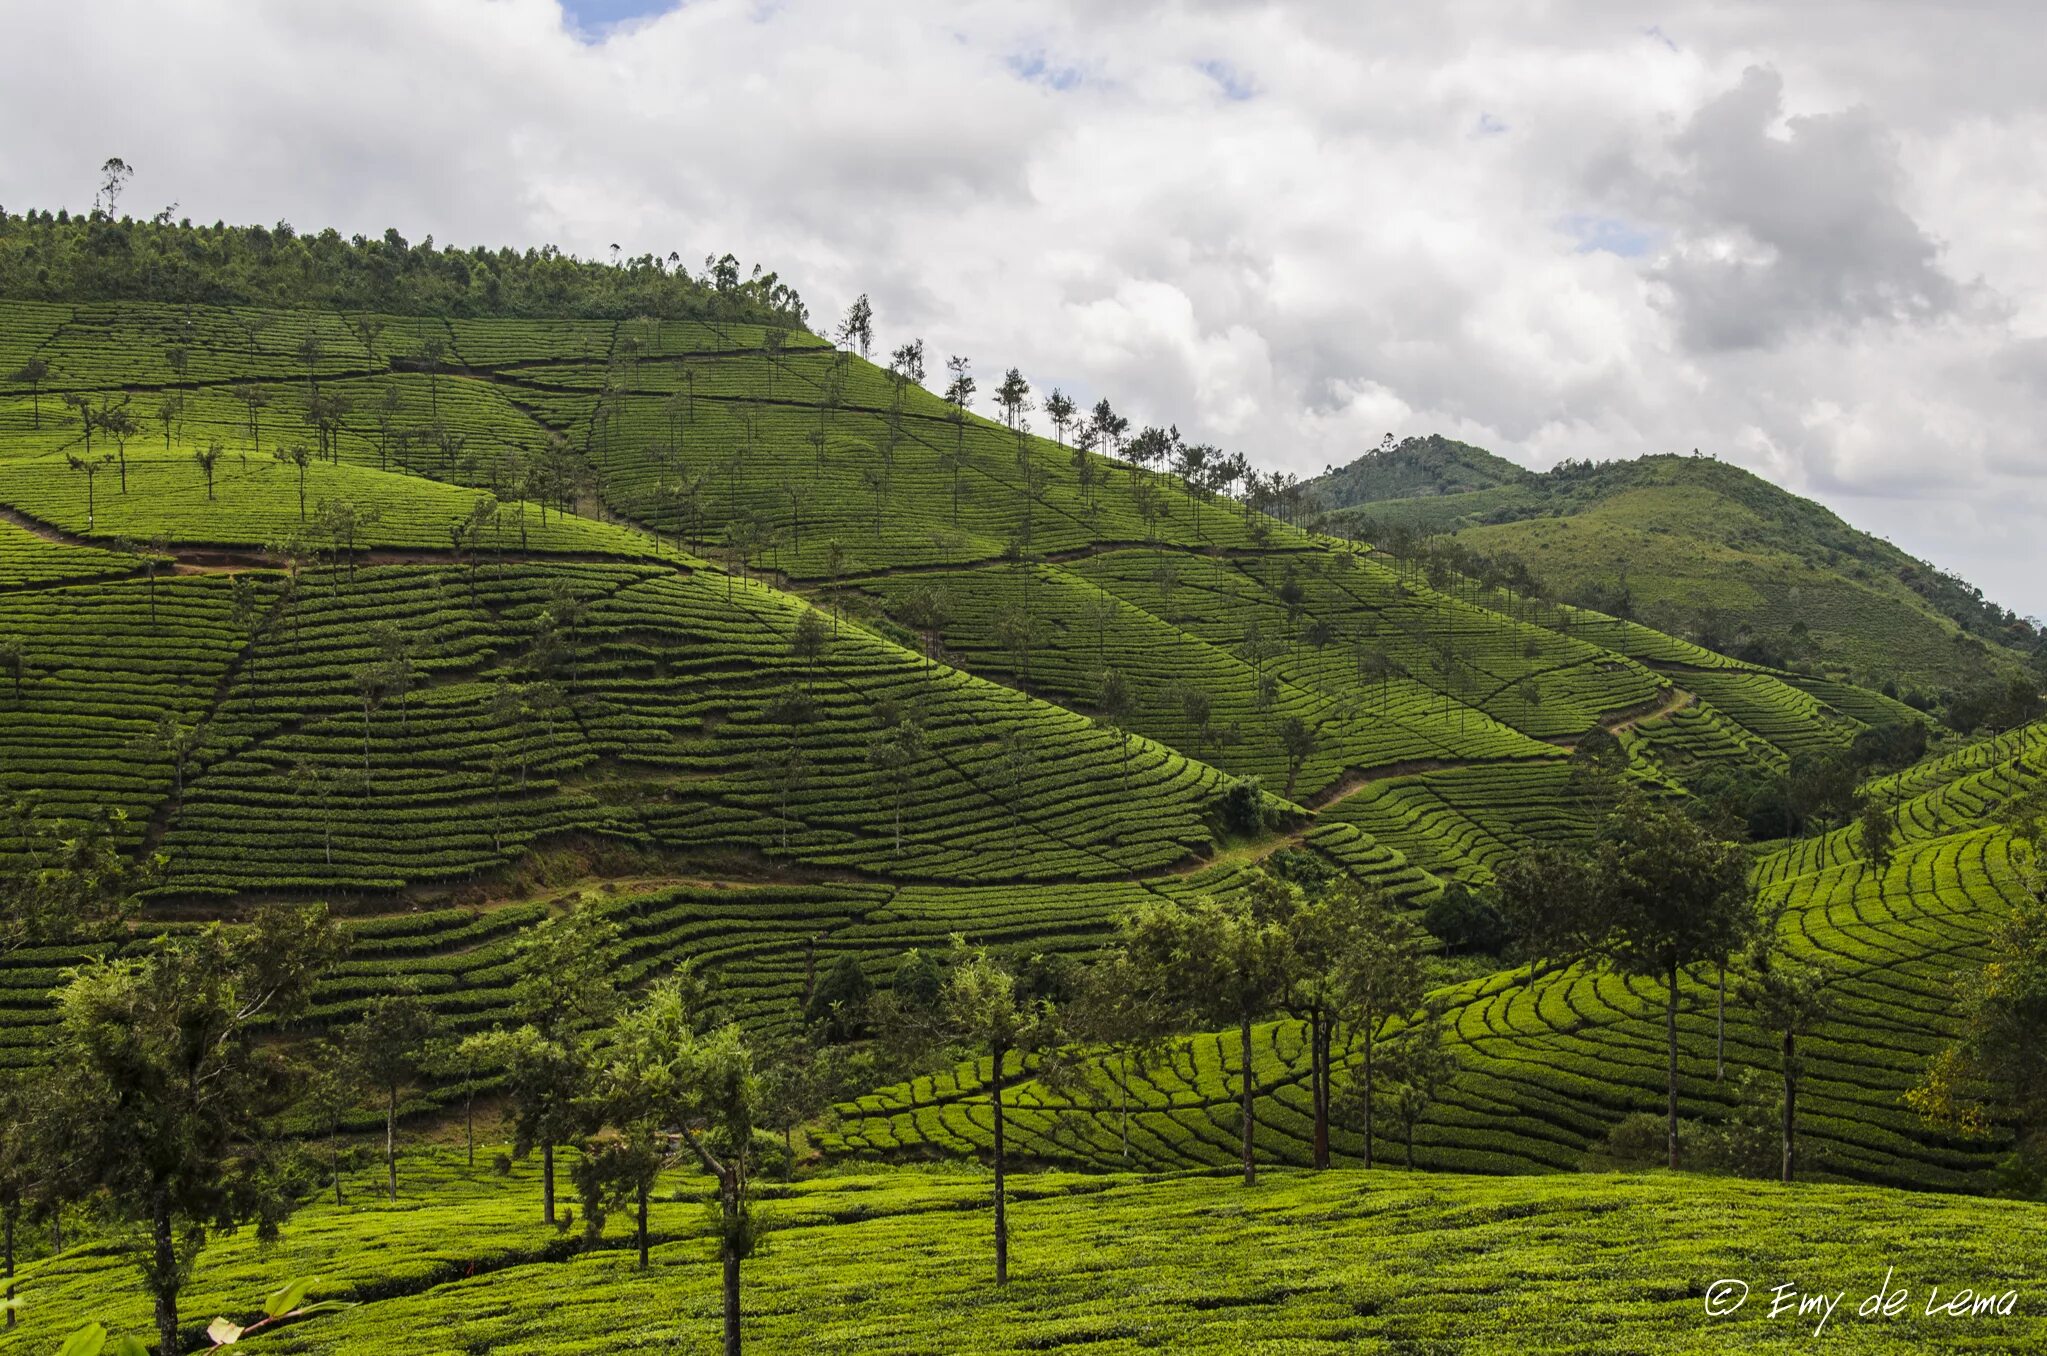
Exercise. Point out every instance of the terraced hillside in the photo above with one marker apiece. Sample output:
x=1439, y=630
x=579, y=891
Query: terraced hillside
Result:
x=1698, y=547
x=1547, y=1066
x=392, y=610
x=774, y=659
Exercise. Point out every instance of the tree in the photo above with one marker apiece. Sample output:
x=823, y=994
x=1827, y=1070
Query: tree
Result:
x=1417, y=1066
x=332, y=1089
x=982, y=1004
x=1877, y=827
x=1110, y=426
x=392, y=668
x=1217, y=963
x=175, y=742
x=1789, y=998
x=1673, y=896
x=1375, y=957
x=1013, y=395
x=705, y=1082
x=341, y=522
x=298, y=457
x=208, y=457
x=857, y=328
x=114, y=175
x=34, y=1149
x=173, y=1088
x=170, y=411
x=32, y=374
x=1059, y=408
x=390, y=1044
x=630, y=1092
x=895, y=753
x=563, y=995
x=787, y=770
x=1548, y=897
x=1021, y=631
x=1199, y=709
x=1297, y=744
x=255, y=397
x=837, y=1006
x=119, y=425
x=67, y=878
x=367, y=329
x=1114, y=704
x=90, y=469
x=1112, y=1010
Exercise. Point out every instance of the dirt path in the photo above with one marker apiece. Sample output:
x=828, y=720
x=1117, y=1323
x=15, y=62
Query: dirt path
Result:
x=1628, y=717
x=1677, y=701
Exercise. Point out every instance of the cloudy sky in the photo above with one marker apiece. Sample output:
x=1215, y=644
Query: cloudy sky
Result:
x=1805, y=238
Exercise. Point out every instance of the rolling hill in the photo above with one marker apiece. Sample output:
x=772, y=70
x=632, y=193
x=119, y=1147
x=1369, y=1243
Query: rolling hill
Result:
x=1700, y=548
x=455, y=618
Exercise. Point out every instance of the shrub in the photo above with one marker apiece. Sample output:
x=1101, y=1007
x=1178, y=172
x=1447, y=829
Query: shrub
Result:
x=838, y=1005
x=1243, y=807
x=1466, y=921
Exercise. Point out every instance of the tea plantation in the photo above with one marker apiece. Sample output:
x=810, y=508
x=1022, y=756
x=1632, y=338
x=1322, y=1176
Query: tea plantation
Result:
x=784, y=666
x=1339, y=1262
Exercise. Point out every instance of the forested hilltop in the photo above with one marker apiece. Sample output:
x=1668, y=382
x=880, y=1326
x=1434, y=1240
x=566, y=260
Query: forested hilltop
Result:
x=532, y=803
x=95, y=257
x=1706, y=550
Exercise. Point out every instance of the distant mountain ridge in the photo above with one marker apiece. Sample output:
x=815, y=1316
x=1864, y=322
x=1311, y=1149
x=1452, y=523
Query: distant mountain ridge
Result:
x=1699, y=547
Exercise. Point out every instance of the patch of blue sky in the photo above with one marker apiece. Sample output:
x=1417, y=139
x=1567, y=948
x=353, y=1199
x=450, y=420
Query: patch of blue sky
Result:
x=593, y=19
x=1033, y=66
x=1235, y=85
x=1611, y=235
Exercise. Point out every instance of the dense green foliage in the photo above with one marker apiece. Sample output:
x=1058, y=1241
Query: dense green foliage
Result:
x=94, y=257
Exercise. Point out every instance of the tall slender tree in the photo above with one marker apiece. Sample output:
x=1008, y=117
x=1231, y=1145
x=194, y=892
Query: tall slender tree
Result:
x=564, y=995
x=1672, y=896
x=390, y=1044
x=33, y=374
x=983, y=1004
x=1216, y=962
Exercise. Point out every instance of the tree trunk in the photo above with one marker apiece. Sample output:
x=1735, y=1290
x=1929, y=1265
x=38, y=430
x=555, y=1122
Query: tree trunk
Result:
x=1244, y=1114
x=1670, y=1031
x=164, y=1281
x=1123, y=1100
x=391, y=1141
x=1001, y=1169
x=731, y=1260
x=469, y=1121
x=1370, y=1033
x=13, y=1210
x=1790, y=1110
x=1318, y=1076
x=642, y=1203
x=1720, y=1030
x=547, y=1181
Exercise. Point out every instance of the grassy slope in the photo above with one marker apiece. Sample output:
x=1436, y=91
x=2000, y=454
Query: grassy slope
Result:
x=1342, y=1262
x=1685, y=535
